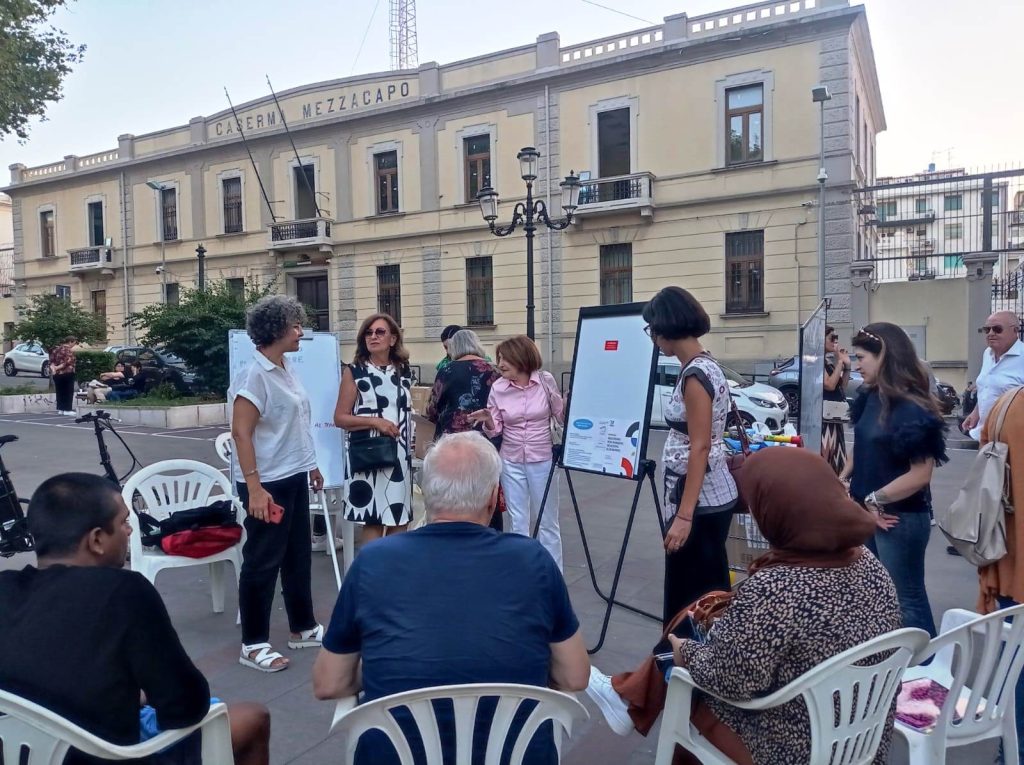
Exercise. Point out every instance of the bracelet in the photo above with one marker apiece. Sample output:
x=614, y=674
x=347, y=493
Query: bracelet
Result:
x=684, y=518
x=872, y=499
x=254, y=471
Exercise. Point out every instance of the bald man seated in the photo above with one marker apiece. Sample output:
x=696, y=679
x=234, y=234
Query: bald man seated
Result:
x=1002, y=367
x=453, y=602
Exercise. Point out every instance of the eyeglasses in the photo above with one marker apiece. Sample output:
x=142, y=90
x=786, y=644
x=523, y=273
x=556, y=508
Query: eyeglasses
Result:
x=995, y=329
x=833, y=338
x=648, y=331
x=379, y=332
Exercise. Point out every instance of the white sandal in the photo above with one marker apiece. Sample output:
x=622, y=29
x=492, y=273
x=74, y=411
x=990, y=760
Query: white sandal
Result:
x=313, y=638
x=264, y=658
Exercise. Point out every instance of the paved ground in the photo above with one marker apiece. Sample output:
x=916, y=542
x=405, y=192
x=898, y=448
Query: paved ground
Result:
x=50, y=444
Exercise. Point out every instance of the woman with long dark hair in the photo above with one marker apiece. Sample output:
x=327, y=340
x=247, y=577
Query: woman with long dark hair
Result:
x=374, y=398
x=700, y=493
x=899, y=438
x=837, y=376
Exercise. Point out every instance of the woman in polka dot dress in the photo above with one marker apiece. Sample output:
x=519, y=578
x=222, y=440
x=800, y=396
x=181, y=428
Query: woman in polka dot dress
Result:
x=374, y=397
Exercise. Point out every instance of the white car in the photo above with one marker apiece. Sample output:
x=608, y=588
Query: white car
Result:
x=27, y=357
x=754, y=401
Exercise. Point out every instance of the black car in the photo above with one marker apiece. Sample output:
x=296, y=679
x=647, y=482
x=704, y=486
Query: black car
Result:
x=172, y=368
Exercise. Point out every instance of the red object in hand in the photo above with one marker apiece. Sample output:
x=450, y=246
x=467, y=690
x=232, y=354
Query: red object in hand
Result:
x=276, y=513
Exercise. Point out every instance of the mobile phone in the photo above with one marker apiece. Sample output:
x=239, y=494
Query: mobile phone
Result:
x=276, y=513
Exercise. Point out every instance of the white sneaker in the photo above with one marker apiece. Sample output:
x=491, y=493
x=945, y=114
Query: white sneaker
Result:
x=319, y=543
x=612, y=705
x=69, y=413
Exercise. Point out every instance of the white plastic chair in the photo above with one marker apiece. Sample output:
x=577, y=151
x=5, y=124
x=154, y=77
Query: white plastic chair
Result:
x=167, y=487
x=865, y=696
x=562, y=709
x=47, y=737
x=988, y=654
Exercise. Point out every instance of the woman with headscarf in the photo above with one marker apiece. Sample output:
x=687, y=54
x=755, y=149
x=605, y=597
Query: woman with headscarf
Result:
x=813, y=595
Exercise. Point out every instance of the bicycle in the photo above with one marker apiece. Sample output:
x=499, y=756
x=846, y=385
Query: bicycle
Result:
x=101, y=421
x=14, y=536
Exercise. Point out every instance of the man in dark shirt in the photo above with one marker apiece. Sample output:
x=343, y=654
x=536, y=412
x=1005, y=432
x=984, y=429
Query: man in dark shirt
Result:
x=453, y=602
x=84, y=638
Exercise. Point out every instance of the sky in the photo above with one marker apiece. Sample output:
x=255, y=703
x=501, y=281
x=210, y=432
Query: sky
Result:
x=950, y=87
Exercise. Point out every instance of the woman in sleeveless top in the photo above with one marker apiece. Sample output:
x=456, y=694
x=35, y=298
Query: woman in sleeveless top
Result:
x=374, y=396
x=700, y=493
x=837, y=376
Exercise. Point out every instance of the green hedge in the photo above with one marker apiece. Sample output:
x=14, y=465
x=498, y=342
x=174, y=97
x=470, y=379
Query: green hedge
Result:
x=90, y=364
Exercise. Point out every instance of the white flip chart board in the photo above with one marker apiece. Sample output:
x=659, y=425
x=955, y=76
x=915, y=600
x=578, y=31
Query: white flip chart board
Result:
x=317, y=366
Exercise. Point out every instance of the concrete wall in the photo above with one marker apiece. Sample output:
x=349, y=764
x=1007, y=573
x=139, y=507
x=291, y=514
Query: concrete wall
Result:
x=935, y=308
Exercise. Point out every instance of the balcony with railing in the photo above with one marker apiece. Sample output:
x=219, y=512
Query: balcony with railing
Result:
x=621, y=193
x=301, y=234
x=922, y=245
x=891, y=218
x=918, y=267
x=91, y=260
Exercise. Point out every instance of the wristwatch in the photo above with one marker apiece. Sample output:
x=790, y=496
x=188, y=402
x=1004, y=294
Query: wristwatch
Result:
x=872, y=499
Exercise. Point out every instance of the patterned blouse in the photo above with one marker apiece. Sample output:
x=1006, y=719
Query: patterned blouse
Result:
x=783, y=621
x=718, y=491
x=63, y=356
x=460, y=387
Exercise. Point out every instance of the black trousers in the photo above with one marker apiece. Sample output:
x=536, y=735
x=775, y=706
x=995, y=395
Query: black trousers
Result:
x=700, y=565
x=273, y=548
x=64, y=384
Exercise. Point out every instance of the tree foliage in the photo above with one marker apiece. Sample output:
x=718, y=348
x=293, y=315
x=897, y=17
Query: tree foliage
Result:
x=89, y=365
x=196, y=329
x=49, y=319
x=35, y=58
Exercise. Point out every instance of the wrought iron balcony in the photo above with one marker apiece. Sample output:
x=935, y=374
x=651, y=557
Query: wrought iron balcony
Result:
x=618, y=194
x=888, y=219
x=301, y=234
x=91, y=260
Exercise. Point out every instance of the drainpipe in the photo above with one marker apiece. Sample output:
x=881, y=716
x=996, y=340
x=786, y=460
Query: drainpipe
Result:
x=124, y=258
x=796, y=259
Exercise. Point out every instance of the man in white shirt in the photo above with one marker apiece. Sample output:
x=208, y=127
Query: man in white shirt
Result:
x=1002, y=367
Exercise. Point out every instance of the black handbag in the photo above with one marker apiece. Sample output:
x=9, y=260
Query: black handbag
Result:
x=367, y=452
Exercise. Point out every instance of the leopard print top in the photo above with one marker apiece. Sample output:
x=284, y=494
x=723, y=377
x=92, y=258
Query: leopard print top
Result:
x=783, y=621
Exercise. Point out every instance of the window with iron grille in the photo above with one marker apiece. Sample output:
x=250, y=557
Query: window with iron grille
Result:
x=169, y=214
x=477, y=150
x=921, y=205
x=744, y=272
x=951, y=202
x=171, y=293
x=232, y=192
x=236, y=286
x=389, y=291
x=47, y=233
x=95, y=219
x=953, y=230
x=63, y=291
x=479, y=292
x=744, y=110
x=616, y=269
x=887, y=210
x=386, y=164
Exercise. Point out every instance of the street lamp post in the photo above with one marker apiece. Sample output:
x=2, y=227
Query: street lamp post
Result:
x=201, y=254
x=528, y=214
x=158, y=188
x=819, y=95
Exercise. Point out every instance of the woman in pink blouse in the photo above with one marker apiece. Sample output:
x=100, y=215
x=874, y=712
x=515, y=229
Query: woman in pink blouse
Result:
x=519, y=409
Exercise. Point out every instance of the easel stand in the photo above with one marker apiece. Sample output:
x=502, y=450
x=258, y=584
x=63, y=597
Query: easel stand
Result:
x=645, y=474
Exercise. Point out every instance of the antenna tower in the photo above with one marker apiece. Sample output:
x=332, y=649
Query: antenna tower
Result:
x=404, y=50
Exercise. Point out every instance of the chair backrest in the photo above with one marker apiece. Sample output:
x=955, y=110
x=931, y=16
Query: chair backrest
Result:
x=225, y=447
x=849, y=696
x=43, y=738
x=560, y=708
x=989, y=654
x=166, y=487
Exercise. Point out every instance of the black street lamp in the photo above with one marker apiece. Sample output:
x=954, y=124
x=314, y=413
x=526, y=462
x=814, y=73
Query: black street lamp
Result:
x=528, y=214
x=201, y=254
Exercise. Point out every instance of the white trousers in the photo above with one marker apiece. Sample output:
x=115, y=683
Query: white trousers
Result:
x=523, y=483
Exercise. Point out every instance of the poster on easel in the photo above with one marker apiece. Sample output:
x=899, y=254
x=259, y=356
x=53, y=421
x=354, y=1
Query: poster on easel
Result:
x=812, y=377
x=609, y=411
x=317, y=366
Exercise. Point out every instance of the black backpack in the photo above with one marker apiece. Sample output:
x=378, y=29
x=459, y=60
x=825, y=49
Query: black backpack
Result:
x=217, y=514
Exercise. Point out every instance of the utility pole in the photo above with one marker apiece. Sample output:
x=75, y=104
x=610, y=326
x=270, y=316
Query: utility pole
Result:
x=404, y=47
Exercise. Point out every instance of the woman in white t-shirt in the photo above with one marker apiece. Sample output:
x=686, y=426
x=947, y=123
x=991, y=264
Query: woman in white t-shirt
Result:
x=274, y=471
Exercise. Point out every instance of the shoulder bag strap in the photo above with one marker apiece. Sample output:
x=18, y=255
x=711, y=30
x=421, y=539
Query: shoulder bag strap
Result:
x=744, y=439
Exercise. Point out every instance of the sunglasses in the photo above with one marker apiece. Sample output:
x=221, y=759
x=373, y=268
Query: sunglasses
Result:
x=833, y=338
x=995, y=329
x=379, y=332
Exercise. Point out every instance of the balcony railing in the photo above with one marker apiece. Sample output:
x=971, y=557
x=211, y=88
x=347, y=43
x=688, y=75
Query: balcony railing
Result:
x=918, y=268
x=905, y=218
x=90, y=259
x=922, y=245
x=296, y=234
x=620, y=193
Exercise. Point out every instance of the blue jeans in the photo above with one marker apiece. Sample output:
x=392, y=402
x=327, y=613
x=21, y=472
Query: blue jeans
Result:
x=901, y=550
x=1018, y=696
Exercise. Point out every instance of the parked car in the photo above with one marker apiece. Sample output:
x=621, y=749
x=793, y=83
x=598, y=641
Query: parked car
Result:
x=786, y=378
x=27, y=357
x=755, y=402
x=173, y=368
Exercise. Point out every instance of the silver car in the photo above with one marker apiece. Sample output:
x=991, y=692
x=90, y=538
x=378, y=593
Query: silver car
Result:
x=27, y=357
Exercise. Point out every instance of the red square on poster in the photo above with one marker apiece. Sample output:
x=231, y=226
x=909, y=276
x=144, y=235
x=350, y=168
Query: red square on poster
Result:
x=611, y=345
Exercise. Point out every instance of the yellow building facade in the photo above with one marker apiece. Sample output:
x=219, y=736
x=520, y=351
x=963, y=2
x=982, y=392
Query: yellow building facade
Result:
x=696, y=140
